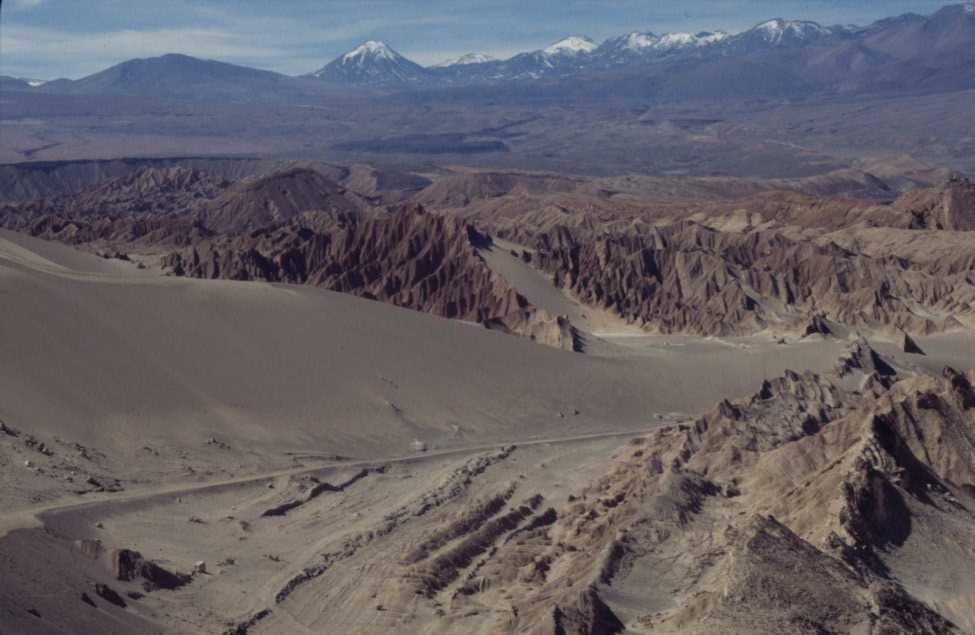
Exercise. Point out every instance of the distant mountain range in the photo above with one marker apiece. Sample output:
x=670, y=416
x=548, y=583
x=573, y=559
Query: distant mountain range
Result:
x=777, y=58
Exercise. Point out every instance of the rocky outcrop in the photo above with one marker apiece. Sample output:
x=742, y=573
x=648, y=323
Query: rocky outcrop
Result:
x=736, y=262
x=297, y=226
x=688, y=278
x=804, y=476
x=408, y=258
x=151, y=191
x=817, y=326
x=126, y=565
x=109, y=594
x=773, y=260
x=463, y=188
x=129, y=566
x=861, y=357
x=949, y=207
x=122, y=232
x=910, y=346
x=280, y=197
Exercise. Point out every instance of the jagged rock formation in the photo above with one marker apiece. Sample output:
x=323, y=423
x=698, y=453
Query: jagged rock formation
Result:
x=255, y=203
x=951, y=207
x=222, y=206
x=790, y=511
x=120, y=232
x=910, y=346
x=151, y=206
x=738, y=262
x=127, y=565
x=818, y=326
x=156, y=191
x=520, y=206
x=771, y=260
x=688, y=278
x=177, y=207
x=464, y=188
x=297, y=226
x=408, y=258
x=861, y=357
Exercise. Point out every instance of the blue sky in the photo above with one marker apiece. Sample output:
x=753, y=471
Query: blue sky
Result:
x=71, y=38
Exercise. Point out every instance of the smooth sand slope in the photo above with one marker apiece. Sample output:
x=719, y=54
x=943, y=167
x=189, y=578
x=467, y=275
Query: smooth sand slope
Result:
x=105, y=354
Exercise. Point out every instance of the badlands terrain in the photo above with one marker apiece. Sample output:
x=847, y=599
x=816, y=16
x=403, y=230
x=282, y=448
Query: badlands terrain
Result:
x=668, y=333
x=253, y=396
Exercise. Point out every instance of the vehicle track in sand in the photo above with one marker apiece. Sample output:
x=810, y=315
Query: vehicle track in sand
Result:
x=34, y=516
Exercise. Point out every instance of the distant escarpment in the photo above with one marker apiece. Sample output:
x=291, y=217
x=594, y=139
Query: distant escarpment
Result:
x=168, y=191
x=521, y=209
x=949, y=206
x=689, y=278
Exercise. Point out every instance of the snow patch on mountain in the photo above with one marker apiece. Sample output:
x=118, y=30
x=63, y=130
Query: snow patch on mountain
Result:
x=370, y=50
x=465, y=60
x=636, y=41
x=572, y=45
x=686, y=40
x=711, y=37
x=372, y=62
x=774, y=31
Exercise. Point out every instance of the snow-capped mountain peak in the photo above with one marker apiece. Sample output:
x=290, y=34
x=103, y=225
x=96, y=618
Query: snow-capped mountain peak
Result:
x=372, y=49
x=686, y=40
x=705, y=38
x=647, y=43
x=637, y=41
x=371, y=62
x=775, y=31
x=465, y=60
x=675, y=40
x=572, y=45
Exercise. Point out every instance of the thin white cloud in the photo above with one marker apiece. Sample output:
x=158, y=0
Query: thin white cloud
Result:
x=22, y=5
x=93, y=52
x=274, y=43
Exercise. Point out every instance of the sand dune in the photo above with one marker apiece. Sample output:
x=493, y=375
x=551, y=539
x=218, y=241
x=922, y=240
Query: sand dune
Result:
x=110, y=355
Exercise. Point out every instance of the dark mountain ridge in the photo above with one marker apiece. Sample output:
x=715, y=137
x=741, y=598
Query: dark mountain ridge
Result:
x=776, y=58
